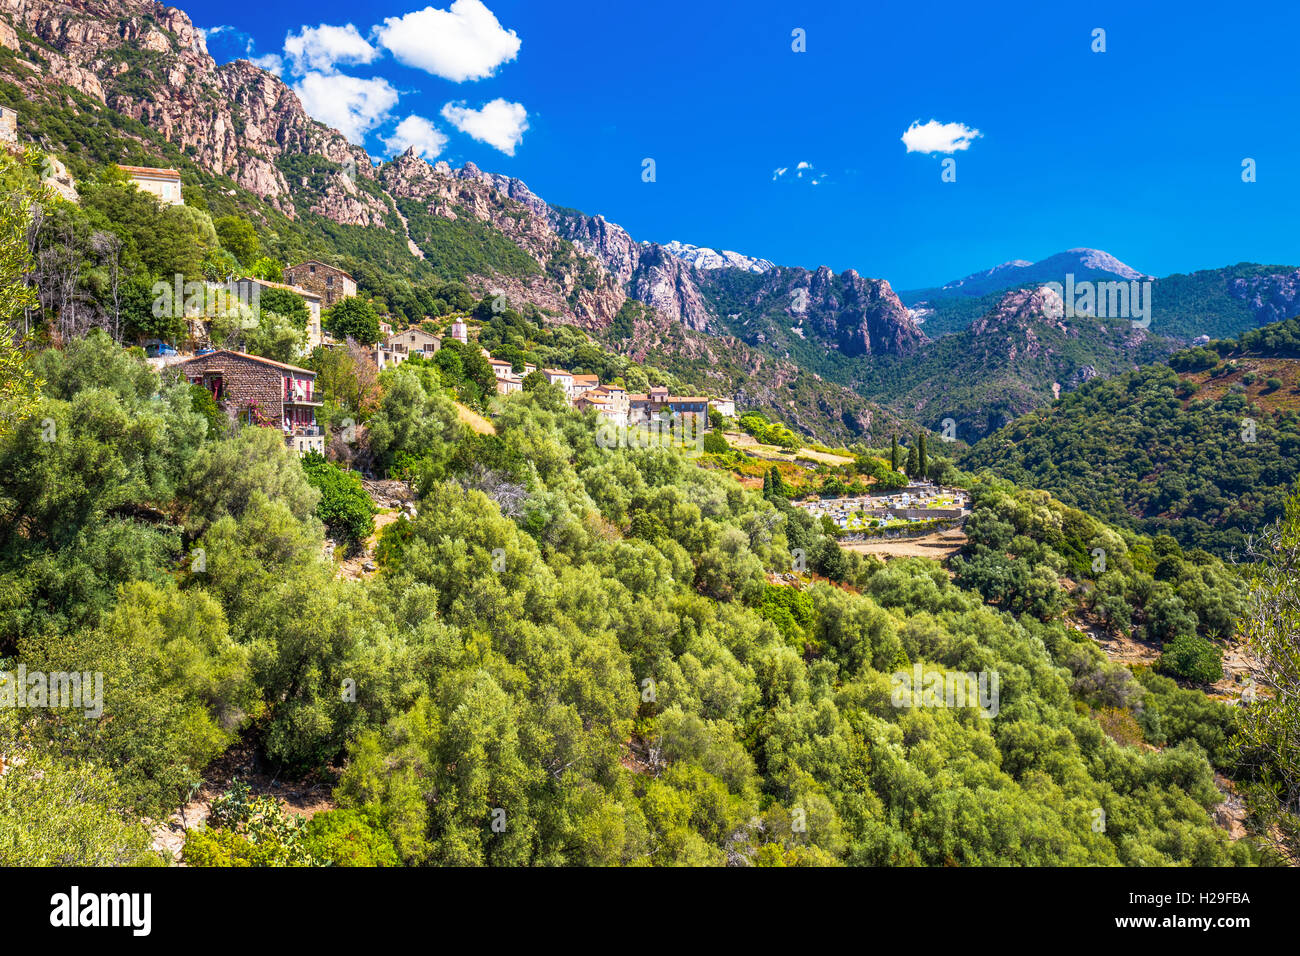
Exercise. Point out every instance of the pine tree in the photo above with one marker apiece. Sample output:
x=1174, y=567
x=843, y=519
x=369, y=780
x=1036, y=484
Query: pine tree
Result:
x=922, y=459
x=893, y=453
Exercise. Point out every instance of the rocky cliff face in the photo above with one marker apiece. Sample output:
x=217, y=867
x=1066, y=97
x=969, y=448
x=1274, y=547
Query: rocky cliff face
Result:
x=1274, y=297
x=708, y=259
x=147, y=61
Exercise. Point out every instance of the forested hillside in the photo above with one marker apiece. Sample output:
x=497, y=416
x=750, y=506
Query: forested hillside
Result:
x=584, y=638
x=1205, y=451
x=488, y=626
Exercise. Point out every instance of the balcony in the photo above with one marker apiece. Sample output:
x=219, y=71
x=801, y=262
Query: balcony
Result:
x=306, y=438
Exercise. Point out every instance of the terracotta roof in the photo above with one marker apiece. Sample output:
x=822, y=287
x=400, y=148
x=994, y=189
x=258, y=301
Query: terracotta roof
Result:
x=584, y=379
x=252, y=358
x=149, y=170
x=556, y=371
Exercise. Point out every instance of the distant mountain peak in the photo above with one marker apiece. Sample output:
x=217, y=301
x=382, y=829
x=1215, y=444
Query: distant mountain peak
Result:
x=1083, y=263
x=702, y=257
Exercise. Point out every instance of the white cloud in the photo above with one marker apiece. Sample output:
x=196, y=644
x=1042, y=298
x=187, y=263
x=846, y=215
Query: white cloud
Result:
x=936, y=137
x=802, y=169
x=465, y=42
x=271, y=62
x=499, y=123
x=351, y=105
x=321, y=48
x=419, y=132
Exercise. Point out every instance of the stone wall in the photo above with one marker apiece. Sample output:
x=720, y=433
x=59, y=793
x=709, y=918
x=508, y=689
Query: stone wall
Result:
x=8, y=125
x=302, y=276
x=242, y=381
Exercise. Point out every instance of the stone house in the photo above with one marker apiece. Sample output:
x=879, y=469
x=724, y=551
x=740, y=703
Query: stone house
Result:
x=616, y=405
x=609, y=400
x=250, y=290
x=165, y=184
x=258, y=391
x=327, y=281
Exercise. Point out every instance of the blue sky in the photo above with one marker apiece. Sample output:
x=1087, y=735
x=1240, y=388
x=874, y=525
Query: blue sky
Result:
x=1137, y=150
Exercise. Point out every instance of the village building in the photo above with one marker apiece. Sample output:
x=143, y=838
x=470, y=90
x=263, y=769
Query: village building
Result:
x=615, y=405
x=259, y=391
x=558, y=376
x=725, y=406
x=460, y=332
x=643, y=409
x=165, y=184
x=399, y=346
x=246, y=289
x=608, y=400
x=581, y=384
x=330, y=283
x=509, y=384
x=501, y=368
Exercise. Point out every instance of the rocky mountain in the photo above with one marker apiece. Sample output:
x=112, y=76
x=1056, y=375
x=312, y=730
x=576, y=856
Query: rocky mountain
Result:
x=131, y=81
x=707, y=259
x=1083, y=264
x=1021, y=354
x=1215, y=303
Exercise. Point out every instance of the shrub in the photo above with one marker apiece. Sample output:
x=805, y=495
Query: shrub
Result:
x=716, y=444
x=345, y=507
x=348, y=838
x=1192, y=657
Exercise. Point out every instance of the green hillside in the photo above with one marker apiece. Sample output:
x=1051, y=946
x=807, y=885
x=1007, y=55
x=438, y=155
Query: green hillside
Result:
x=1163, y=451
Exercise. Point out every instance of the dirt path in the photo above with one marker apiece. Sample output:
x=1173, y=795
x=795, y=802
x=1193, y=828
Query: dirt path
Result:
x=306, y=798
x=393, y=499
x=940, y=546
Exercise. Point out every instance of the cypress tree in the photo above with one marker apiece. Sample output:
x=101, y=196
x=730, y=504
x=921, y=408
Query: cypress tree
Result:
x=893, y=453
x=912, y=463
x=767, y=483
x=922, y=459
